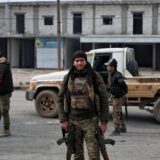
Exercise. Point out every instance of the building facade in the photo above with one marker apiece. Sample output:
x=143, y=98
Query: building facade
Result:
x=28, y=30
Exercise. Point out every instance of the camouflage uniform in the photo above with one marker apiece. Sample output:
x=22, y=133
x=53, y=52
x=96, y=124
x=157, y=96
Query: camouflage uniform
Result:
x=85, y=129
x=6, y=88
x=84, y=112
x=4, y=110
x=117, y=115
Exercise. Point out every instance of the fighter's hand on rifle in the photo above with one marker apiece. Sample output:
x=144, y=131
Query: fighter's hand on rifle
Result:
x=103, y=127
x=64, y=125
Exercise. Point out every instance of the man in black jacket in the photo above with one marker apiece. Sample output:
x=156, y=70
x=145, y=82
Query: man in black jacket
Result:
x=6, y=88
x=118, y=89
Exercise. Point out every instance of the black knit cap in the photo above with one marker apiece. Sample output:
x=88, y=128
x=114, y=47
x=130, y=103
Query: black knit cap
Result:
x=79, y=54
x=112, y=62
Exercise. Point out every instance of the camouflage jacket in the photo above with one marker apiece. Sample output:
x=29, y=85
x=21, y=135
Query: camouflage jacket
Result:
x=102, y=108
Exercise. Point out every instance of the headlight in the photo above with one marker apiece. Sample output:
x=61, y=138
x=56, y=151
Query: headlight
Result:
x=33, y=84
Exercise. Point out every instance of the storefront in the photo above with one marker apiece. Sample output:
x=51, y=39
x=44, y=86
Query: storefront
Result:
x=46, y=53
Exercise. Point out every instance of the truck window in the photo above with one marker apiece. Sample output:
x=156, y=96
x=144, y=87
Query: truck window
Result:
x=100, y=67
x=99, y=61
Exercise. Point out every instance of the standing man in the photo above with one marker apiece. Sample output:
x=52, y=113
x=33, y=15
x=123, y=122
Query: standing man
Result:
x=6, y=88
x=118, y=89
x=77, y=105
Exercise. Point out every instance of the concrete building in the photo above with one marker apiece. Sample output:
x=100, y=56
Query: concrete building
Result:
x=28, y=33
x=28, y=30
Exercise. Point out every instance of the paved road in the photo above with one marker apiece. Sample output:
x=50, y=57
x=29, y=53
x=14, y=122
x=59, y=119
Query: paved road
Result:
x=34, y=138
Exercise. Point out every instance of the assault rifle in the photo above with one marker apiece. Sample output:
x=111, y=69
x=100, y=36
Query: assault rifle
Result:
x=68, y=139
x=102, y=141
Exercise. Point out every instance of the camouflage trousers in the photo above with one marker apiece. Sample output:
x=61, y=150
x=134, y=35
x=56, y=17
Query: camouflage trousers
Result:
x=4, y=110
x=117, y=115
x=85, y=131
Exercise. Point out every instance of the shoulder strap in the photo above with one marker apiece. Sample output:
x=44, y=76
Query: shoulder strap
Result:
x=111, y=81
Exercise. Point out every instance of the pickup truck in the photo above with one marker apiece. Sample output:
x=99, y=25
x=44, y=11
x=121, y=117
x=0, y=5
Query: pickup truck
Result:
x=143, y=90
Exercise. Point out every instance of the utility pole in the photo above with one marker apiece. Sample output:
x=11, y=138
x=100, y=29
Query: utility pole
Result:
x=58, y=35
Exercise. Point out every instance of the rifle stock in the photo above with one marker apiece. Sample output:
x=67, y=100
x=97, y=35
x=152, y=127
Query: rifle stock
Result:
x=68, y=139
x=102, y=141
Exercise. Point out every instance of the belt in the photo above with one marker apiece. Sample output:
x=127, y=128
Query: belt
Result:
x=76, y=122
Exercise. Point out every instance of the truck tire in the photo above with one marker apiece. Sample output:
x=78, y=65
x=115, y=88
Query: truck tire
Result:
x=132, y=67
x=46, y=103
x=156, y=110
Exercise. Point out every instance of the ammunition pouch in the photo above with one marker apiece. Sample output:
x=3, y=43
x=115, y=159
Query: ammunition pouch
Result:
x=80, y=102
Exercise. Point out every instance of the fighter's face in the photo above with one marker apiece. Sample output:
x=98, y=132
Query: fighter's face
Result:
x=79, y=63
x=110, y=68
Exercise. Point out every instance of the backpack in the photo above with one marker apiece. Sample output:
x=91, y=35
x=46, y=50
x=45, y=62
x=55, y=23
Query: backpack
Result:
x=116, y=89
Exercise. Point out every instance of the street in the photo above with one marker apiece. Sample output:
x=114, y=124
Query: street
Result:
x=34, y=137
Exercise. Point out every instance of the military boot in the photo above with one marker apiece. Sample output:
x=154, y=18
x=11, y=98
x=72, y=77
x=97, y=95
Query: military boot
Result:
x=116, y=132
x=123, y=130
x=5, y=133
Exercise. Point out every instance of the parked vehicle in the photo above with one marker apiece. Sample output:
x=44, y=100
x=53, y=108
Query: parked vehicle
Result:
x=143, y=91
